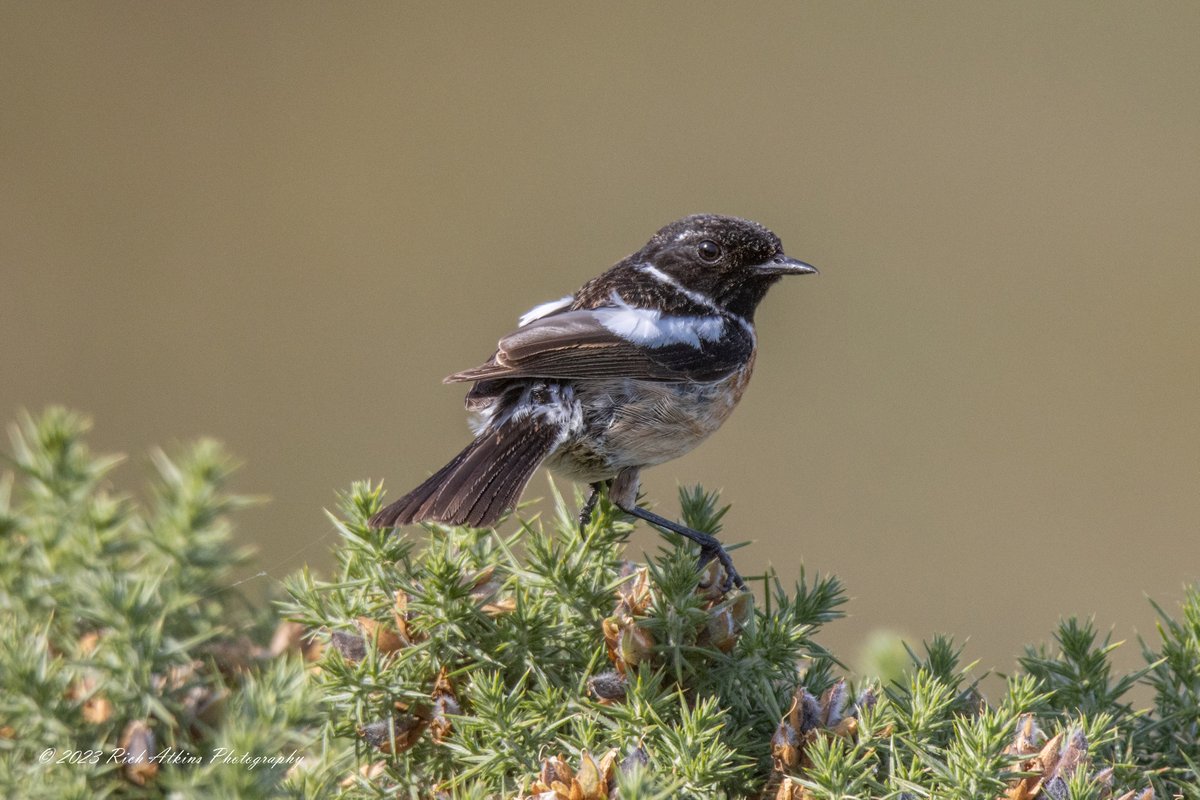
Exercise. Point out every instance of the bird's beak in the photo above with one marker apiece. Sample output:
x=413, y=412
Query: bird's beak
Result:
x=782, y=265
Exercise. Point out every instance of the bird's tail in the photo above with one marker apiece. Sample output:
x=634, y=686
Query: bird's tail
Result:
x=481, y=482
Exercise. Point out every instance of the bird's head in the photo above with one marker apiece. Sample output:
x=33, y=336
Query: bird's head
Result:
x=728, y=260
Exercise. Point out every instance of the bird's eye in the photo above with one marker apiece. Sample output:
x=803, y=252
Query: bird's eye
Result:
x=709, y=250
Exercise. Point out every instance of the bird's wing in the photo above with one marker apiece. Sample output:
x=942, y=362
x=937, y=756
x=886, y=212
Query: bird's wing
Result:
x=619, y=341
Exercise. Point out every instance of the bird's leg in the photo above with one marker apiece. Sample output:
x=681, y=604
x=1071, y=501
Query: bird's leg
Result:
x=623, y=494
x=585, y=513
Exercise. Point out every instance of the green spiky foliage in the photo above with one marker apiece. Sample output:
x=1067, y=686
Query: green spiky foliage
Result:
x=118, y=636
x=498, y=669
x=515, y=624
x=532, y=661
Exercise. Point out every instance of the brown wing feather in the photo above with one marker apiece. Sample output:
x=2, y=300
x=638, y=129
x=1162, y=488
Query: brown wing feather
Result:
x=576, y=345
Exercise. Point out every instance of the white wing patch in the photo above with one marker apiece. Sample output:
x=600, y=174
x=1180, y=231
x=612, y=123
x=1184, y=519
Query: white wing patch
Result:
x=651, y=328
x=537, y=312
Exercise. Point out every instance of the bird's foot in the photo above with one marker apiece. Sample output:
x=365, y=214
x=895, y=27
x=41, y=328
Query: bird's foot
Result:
x=710, y=547
x=715, y=552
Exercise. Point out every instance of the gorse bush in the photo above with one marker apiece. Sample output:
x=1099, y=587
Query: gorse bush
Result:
x=465, y=663
x=533, y=661
x=123, y=656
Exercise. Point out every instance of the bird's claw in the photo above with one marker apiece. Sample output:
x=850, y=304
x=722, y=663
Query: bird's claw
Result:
x=732, y=578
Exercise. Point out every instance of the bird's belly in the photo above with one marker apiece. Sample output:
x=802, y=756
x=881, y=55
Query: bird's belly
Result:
x=631, y=423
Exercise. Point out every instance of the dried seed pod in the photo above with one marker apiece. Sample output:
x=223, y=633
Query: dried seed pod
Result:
x=1030, y=786
x=712, y=579
x=785, y=743
x=288, y=637
x=1145, y=794
x=1073, y=755
x=233, y=657
x=790, y=790
x=608, y=687
x=367, y=773
x=1027, y=738
x=293, y=637
x=725, y=621
x=445, y=705
x=593, y=780
x=400, y=614
x=634, y=595
x=847, y=728
x=638, y=757
x=395, y=735
x=865, y=701
x=138, y=745
x=352, y=646
x=88, y=643
x=484, y=585
x=504, y=605
x=96, y=707
x=809, y=719
x=636, y=644
x=1047, y=757
x=383, y=637
x=1025, y=742
x=809, y=710
x=833, y=703
x=742, y=606
x=589, y=780
x=554, y=770
x=628, y=643
x=204, y=705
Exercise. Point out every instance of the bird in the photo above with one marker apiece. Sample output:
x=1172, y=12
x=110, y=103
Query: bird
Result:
x=636, y=368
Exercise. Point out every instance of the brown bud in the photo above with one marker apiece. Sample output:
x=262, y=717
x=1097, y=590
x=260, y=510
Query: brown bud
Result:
x=288, y=637
x=138, y=743
x=445, y=705
x=382, y=636
x=368, y=772
x=395, y=735
x=847, y=728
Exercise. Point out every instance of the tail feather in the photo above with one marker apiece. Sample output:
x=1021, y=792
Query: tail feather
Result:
x=481, y=482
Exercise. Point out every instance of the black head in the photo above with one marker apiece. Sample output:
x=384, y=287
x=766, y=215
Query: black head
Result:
x=730, y=261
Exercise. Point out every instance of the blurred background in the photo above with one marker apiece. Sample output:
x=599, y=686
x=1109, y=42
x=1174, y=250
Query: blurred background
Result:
x=281, y=224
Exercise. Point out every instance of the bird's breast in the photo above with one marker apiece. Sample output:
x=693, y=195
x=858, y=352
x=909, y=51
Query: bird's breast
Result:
x=628, y=423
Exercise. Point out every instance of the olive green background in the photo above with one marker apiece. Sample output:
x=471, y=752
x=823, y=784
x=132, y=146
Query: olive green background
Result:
x=282, y=223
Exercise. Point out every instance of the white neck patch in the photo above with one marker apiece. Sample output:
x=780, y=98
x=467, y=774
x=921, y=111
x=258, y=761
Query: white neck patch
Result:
x=651, y=328
x=695, y=297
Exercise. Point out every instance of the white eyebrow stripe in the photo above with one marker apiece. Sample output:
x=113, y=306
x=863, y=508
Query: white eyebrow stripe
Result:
x=650, y=328
x=539, y=311
x=696, y=297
